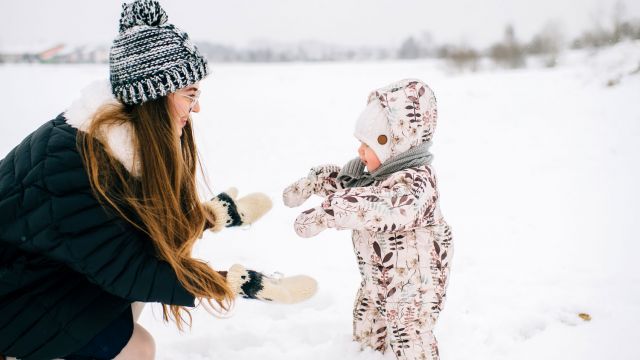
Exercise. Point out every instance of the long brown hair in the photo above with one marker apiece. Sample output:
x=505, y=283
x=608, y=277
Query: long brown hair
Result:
x=163, y=200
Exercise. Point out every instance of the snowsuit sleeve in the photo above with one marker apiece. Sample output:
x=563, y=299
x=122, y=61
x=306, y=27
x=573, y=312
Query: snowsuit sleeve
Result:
x=326, y=179
x=321, y=180
x=405, y=201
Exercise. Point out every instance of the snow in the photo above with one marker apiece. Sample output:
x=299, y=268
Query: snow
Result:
x=538, y=177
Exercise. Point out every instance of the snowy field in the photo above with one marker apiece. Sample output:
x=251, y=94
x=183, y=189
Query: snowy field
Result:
x=539, y=179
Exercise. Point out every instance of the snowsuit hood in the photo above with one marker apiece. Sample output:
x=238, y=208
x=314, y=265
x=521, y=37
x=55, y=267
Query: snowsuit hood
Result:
x=398, y=117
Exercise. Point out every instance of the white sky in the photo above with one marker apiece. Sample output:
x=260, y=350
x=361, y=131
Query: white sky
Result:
x=347, y=22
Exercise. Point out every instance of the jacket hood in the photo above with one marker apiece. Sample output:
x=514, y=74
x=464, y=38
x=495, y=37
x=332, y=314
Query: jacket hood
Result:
x=118, y=139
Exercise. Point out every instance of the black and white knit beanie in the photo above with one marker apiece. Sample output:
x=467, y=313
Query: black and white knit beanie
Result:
x=151, y=58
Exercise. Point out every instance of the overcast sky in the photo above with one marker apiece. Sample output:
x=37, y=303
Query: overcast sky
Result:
x=346, y=22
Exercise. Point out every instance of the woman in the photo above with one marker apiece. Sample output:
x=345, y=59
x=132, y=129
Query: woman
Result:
x=99, y=210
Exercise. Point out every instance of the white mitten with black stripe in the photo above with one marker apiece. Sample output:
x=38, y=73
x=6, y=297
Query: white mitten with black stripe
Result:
x=227, y=211
x=284, y=289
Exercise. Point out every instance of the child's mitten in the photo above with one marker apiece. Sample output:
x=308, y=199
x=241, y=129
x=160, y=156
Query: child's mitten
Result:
x=227, y=211
x=321, y=180
x=254, y=285
x=297, y=193
x=313, y=221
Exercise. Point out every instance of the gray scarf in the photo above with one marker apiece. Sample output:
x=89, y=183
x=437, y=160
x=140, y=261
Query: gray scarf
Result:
x=353, y=174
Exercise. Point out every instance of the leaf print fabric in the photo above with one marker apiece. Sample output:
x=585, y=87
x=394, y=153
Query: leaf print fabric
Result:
x=404, y=280
x=403, y=247
x=320, y=181
x=405, y=201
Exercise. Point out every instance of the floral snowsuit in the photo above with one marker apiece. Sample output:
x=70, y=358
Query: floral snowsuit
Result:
x=403, y=247
x=402, y=243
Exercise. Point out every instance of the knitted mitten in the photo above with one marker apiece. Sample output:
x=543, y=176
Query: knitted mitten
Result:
x=254, y=285
x=227, y=211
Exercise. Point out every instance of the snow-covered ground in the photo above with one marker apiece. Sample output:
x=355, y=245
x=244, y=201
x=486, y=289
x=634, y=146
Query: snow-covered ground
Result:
x=539, y=178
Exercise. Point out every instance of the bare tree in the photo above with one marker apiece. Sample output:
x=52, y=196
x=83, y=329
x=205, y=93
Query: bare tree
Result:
x=409, y=49
x=549, y=42
x=597, y=35
x=463, y=57
x=618, y=14
x=509, y=52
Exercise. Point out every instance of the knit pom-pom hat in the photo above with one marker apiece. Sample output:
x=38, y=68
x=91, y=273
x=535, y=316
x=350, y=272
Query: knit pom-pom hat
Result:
x=151, y=58
x=398, y=117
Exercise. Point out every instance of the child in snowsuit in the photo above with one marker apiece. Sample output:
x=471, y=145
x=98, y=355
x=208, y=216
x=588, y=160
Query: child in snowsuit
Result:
x=401, y=241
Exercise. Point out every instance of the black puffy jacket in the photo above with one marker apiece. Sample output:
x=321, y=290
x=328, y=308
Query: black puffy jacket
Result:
x=68, y=267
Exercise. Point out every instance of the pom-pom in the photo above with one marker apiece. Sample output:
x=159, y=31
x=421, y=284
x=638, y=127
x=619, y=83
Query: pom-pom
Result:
x=142, y=12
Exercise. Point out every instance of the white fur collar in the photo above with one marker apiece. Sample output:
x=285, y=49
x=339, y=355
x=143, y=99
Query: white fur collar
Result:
x=117, y=138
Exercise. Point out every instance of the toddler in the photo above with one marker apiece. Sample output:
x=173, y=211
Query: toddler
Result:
x=401, y=241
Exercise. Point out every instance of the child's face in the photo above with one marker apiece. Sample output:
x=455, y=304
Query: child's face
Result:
x=368, y=157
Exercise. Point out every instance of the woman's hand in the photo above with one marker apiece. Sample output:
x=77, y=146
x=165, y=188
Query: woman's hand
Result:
x=281, y=289
x=228, y=211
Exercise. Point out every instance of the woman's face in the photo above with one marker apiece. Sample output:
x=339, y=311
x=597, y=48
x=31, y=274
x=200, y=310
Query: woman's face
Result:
x=182, y=103
x=368, y=157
